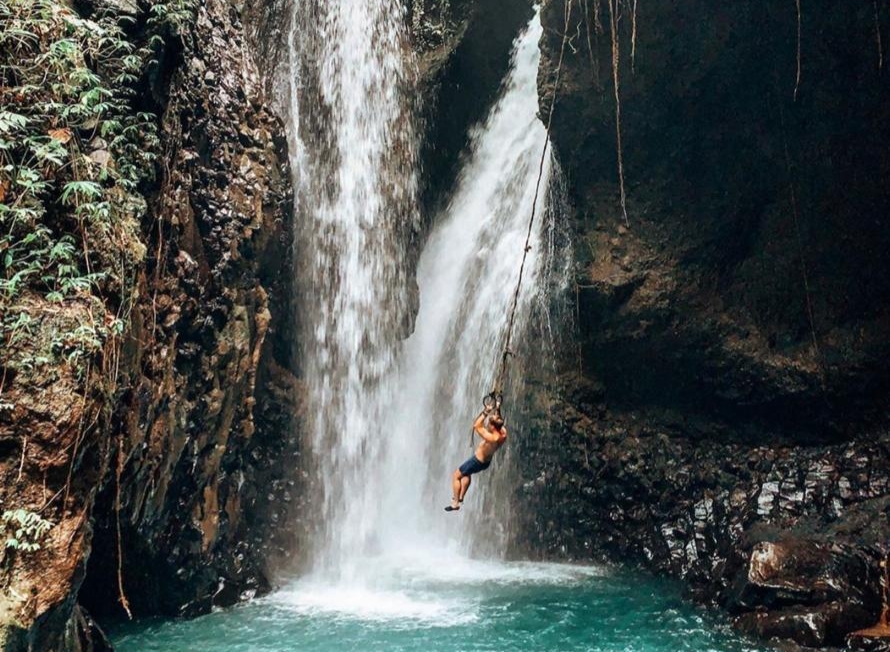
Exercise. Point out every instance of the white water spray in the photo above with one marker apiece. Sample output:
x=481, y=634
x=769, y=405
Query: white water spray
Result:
x=391, y=419
x=467, y=276
x=355, y=167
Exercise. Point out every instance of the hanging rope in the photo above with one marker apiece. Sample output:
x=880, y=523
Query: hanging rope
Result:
x=502, y=372
x=492, y=402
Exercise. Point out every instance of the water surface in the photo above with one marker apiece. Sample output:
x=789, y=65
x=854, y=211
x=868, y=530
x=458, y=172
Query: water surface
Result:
x=457, y=605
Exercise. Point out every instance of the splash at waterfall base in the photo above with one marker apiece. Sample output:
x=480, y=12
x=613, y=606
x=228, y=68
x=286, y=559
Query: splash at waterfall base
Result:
x=449, y=603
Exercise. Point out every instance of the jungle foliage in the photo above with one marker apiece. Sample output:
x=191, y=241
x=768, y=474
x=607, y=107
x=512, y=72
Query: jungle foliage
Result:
x=76, y=155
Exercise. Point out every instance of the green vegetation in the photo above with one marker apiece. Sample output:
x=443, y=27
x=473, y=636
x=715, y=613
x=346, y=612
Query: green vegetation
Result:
x=172, y=15
x=24, y=530
x=74, y=154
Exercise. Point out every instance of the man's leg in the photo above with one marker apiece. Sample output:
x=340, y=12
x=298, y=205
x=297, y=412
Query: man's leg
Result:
x=456, y=483
x=464, y=485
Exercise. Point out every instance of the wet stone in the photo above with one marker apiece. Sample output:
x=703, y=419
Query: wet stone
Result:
x=767, y=497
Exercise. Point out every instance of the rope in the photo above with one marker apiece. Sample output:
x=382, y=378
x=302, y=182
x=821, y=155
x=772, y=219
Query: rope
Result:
x=502, y=373
x=494, y=398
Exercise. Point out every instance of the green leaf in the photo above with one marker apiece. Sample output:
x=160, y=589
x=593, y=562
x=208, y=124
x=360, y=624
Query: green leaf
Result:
x=10, y=121
x=80, y=190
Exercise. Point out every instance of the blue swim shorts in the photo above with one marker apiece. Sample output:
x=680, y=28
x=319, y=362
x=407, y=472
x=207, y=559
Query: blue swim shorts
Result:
x=473, y=465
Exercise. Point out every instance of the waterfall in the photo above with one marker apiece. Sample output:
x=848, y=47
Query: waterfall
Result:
x=354, y=162
x=467, y=275
x=390, y=417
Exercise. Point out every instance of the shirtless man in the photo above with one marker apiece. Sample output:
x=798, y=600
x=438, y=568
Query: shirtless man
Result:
x=494, y=434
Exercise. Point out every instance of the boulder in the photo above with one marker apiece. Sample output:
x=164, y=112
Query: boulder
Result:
x=804, y=572
x=817, y=626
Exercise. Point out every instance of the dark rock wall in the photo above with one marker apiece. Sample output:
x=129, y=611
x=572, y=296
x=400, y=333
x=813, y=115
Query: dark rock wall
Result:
x=725, y=383
x=205, y=422
x=755, y=219
x=165, y=458
x=463, y=51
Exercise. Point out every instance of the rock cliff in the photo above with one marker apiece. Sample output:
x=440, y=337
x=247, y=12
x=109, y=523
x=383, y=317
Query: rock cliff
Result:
x=204, y=421
x=155, y=450
x=724, y=391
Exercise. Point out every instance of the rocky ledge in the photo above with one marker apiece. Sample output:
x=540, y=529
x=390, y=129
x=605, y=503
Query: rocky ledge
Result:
x=789, y=539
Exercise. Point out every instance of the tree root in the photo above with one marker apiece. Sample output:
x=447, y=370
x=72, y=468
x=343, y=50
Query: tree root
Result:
x=797, y=79
x=613, y=23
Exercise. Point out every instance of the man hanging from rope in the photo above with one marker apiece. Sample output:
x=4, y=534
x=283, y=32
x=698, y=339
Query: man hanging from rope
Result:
x=493, y=432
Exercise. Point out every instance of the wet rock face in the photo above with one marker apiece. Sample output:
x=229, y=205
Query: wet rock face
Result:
x=726, y=405
x=813, y=593
x=462, y=51
x=203, y=427
x=803, y=572
x=781, y=536
x=869, y=643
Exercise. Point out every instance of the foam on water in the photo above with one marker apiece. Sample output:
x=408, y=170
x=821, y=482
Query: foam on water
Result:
x=396, y=608
x=422, y=587
x=456, y=570
x=479, y=608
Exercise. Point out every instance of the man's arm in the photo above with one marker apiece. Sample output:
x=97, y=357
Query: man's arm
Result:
x=482, y=431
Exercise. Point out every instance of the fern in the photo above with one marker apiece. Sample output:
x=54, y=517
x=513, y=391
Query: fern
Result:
x=24, y=529
x=80, y=190
x=67, y=218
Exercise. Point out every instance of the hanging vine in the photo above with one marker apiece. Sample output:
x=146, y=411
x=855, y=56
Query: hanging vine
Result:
x=590, y=53
x=798, y=233
x=797, y=79
x=613, y=25
x=633, y=38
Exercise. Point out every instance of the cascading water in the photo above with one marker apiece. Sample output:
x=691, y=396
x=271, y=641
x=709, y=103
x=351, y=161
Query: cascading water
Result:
x=467, y=275
x=391, y=419
x=354, y=163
